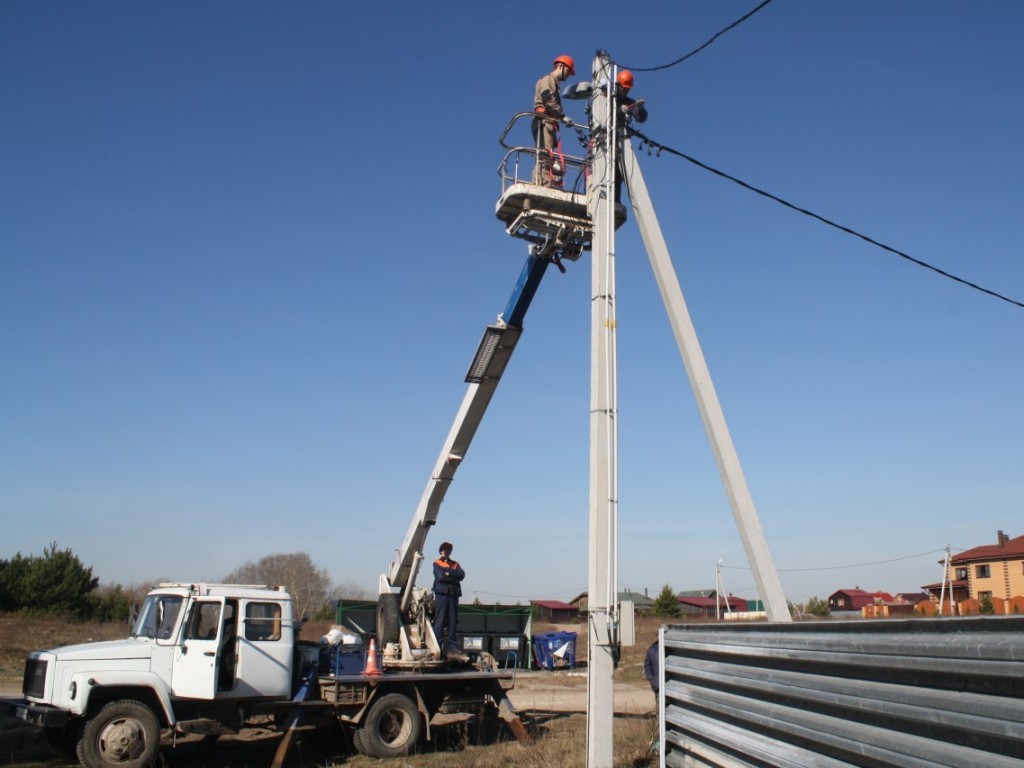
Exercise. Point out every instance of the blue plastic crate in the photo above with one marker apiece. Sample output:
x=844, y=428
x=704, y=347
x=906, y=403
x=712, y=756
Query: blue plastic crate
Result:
x=349, y=662
x=347, y=659
x=555, y=650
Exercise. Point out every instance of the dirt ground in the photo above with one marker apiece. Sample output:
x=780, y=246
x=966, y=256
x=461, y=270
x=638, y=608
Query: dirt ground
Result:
x=561, y=691
x=551, y=703
x=539, y=697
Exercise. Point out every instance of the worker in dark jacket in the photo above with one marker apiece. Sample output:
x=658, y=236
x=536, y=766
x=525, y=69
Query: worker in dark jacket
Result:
x=448, y=576
x=651, y=671
x=630, y=109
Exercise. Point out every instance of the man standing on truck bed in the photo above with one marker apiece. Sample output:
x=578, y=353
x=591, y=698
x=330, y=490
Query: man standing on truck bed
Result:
x=448, y=575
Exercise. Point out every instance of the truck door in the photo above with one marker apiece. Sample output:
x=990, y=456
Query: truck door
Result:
x=265, y=648
x=197, y=661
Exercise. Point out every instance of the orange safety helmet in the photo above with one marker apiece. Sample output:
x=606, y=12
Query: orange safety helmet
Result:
x=568, y=62
x=625, y=79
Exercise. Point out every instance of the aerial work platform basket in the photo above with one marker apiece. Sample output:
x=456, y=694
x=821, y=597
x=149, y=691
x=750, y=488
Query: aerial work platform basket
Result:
x=550, y=214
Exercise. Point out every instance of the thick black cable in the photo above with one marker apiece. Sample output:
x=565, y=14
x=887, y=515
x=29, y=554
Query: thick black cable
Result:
x=822, y=219
x=700, y=48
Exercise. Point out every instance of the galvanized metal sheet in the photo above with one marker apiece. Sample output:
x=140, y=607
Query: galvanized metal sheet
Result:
x=917, y=693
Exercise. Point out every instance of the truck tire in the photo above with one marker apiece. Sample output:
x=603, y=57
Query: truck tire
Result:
x=388, y=619
x=357, y=742
x=392, y=728
x=124, y=733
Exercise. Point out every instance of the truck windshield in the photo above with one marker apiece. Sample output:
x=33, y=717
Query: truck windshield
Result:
x=158, y=616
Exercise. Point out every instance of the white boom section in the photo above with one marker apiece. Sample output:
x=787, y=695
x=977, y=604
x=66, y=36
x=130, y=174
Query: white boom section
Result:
x=484, y=374
x=765, y=577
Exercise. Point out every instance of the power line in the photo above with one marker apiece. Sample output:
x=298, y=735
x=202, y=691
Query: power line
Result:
x=525, y=597
x=700, y=48
x=662, y=148
x=840, y=567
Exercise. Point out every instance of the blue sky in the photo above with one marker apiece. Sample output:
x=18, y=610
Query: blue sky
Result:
x=247, y=250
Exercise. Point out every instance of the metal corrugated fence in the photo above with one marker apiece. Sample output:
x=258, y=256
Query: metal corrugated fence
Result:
x=879, y=693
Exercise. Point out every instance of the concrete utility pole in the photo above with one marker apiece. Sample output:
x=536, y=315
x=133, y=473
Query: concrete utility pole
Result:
x=611, y=151
x=602, y=583
x=754, y=543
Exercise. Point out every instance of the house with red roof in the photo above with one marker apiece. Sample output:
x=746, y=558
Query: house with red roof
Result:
x=986, y=572
x=857, y=598
x=555, y=611
x=701, y=605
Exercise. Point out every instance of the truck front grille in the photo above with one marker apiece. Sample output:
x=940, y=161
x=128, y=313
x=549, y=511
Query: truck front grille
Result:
x=34, y=683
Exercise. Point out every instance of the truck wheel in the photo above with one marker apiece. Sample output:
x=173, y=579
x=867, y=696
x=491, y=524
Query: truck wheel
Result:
x=125, y=734
x=388, y=620
x=357, y=742
x=392, y=728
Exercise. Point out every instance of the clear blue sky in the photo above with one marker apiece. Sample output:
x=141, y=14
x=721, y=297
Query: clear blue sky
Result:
x=247, y=250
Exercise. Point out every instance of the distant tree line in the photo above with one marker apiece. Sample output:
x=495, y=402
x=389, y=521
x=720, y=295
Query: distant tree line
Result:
x=59, y=583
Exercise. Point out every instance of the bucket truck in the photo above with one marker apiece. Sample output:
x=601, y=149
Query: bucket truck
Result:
x=555, y=223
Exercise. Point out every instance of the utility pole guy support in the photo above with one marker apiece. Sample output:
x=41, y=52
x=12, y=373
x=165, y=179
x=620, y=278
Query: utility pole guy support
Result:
x=754, y=543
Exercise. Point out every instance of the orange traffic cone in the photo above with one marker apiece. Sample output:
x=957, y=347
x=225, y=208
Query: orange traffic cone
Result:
x=372, y=668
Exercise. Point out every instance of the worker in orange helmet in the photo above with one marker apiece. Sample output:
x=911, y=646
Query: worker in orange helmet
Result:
x=630, y=109
x=633, y=109
x=548, y=114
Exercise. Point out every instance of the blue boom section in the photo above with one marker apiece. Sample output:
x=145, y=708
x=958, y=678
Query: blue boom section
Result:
x=485, y=372
x=526, y=288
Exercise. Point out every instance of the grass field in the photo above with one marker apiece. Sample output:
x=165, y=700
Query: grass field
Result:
x=21, y=634
x=560, y=739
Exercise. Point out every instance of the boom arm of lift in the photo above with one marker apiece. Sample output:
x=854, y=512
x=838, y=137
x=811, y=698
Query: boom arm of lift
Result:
x=493, y=354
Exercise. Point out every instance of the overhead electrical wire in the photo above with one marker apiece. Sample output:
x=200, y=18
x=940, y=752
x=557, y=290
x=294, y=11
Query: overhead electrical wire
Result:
x=841, y=567
x=527, y=597
x=699, y=48
x=662, y=148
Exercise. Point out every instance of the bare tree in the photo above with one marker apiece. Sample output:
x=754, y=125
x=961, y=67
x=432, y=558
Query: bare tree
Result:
x=309, y=585
x=350, y=590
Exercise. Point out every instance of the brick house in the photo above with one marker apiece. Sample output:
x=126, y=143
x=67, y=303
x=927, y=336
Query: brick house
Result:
x=988, y=572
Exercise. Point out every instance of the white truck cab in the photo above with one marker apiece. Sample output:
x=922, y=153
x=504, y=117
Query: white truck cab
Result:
x=212, y=641
x=191, y=643
x=219, y=641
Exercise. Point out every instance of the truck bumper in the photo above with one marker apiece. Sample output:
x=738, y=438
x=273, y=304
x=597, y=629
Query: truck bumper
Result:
x=39, y=714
